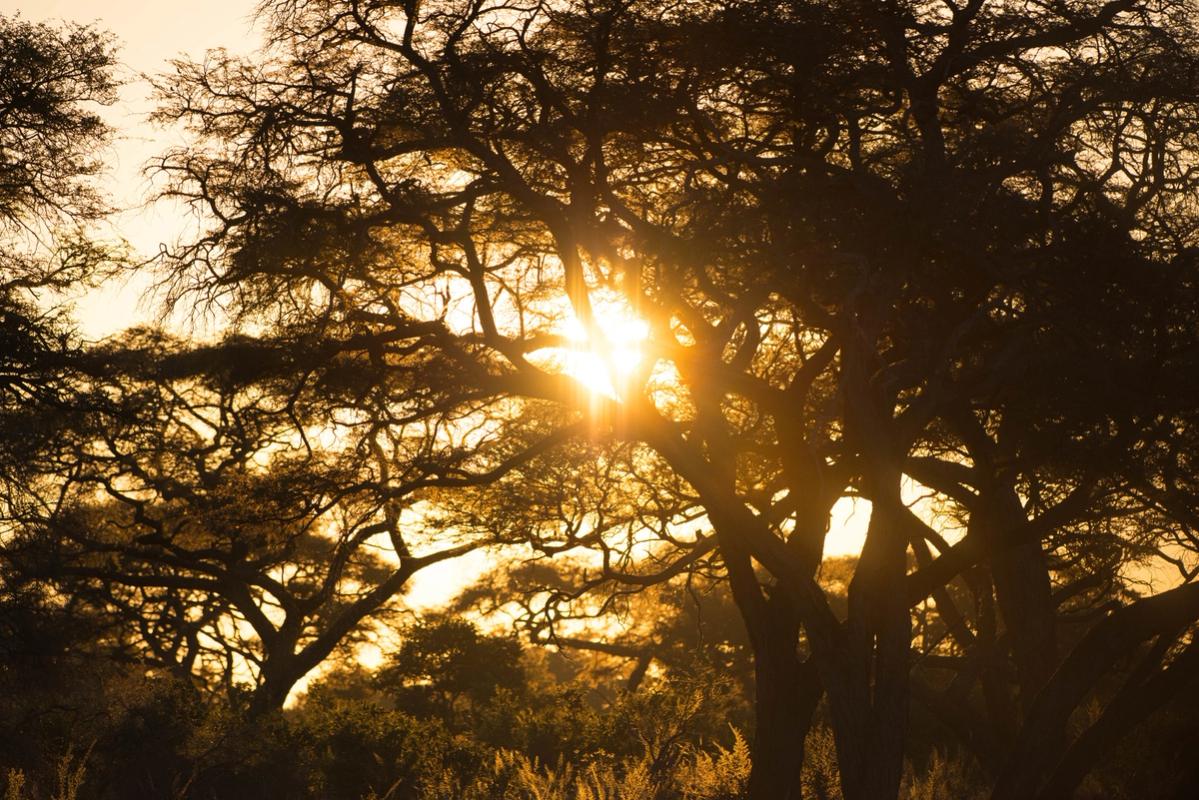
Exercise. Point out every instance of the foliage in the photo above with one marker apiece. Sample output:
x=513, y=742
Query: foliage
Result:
x=49, y=129
x=722, y=775
x=52, y=78
x=871, y=246
x=330, y=748
x=638, y=293
x=446, y=663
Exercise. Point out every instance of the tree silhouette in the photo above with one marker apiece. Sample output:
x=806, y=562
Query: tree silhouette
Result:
x=449, y=667
x=870, y=244
x=51, y=79
x=193, y=501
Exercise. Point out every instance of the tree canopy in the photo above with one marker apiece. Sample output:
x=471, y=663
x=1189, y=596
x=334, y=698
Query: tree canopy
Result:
x=643, y=291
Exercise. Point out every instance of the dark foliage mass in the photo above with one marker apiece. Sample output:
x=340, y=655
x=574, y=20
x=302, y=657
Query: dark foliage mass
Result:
x=606, y=310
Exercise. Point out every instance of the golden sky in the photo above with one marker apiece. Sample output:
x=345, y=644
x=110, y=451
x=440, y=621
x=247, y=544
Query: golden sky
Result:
x=149, y=34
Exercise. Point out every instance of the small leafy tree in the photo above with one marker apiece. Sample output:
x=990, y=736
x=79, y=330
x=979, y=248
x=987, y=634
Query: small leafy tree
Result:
x=447, y=666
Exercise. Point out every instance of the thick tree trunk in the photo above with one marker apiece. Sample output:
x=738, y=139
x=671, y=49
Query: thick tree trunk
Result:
x=272, y=691
x=786, y=692
x=743, y=537
x=871, y=733
x=265, y=700
x=1024, y=594
x=870, y=720
x=786, y=689
x=1042, y=740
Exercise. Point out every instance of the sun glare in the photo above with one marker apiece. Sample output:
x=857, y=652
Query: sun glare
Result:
x=585, y=361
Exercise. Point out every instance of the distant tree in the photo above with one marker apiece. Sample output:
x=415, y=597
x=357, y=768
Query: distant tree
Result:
x=449, y=667
x=870, y=245
x=685, y=625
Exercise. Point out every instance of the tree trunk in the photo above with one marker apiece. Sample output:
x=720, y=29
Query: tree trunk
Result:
x=786, y=692
x=870, y=720
x=1024, y=594
x=786, y=689
x=276, y=681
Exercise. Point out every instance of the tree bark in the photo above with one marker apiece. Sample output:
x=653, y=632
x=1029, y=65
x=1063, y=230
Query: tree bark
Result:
x=870, y=721
x=786, y=692
x=1042, y=738
x=276, y=680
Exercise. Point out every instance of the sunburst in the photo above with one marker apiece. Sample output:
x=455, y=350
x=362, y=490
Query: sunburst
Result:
x=605, y=361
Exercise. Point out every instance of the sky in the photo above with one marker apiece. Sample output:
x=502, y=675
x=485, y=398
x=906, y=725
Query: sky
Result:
x=149, y=35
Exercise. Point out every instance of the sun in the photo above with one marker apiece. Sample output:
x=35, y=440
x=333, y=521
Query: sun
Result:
x=625, y=333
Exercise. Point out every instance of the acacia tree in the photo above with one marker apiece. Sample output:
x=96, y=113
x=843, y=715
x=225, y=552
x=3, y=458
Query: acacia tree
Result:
x=869, y=243
x=49, y=131
x=184, y=498
x=239, y=511
x=51, y=80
